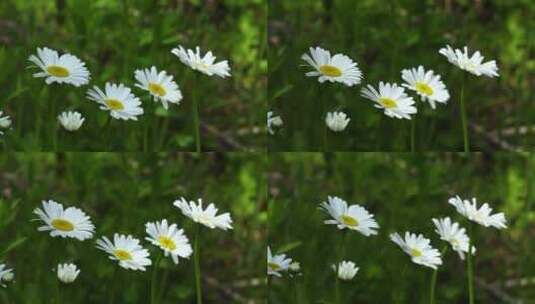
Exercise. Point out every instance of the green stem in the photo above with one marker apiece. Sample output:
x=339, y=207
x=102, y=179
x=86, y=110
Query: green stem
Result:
x=112, y=291
x=413, y=134
x=463, y=118
x=196, y=115
x=470, y=268
x=197, y=265
x=58, y=300
x=434, y=279
x=153, y=293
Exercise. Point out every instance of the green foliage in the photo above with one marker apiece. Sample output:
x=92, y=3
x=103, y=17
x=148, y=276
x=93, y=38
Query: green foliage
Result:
x=115, y=38
x=384, y=37
x=405, y=192
x=121, y=192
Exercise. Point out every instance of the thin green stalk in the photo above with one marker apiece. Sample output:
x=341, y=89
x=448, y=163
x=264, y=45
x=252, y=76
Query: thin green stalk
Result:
x=112, y=290
x=196, y=115
x=434, y=279
x=413, y=134
x=58, y=292
x=196, y=256
x=153, y=293
x=469, y=267
x=463, y=117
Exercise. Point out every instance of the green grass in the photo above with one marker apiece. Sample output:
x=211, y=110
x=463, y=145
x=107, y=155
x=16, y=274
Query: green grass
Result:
x=384, y=37
x=404, y=192
x=115, y=38
x=121, y=192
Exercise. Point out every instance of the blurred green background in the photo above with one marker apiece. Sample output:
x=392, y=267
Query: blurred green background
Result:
x=121, y=192
x=404, y=192
x=116, y=37
x=384, y=37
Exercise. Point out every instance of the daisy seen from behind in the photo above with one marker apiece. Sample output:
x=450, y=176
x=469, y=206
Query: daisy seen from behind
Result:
x=481, y=216
x=337, y=121
x=118, y=99
x=338, y=68
x=126, y=250
x=392, y=99
x=160, y=85
x=472, y=64
x=452, y=233
x=170, y=239
x=66, y=68
x=68, y=222
x=353, y=217
x=345, y=270
x=426, y=84
x=418, y=248
x=277, y=264
x=67, y=273
x=273, y=121
x=5, y=122
x=6, y=275
x=205, y=64
x=71, y=120
x=207, y=217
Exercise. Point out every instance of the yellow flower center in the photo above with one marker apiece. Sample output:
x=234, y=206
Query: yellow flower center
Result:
x=416, y=253
x=424, y=88
x=114, y=104
x=388, y=103
x=167, y=243
x=62, y=225
x=122, y=255
x=349, y=221
x=274, y=266
x=331, y=71
x=57, y=71
x=156, y=89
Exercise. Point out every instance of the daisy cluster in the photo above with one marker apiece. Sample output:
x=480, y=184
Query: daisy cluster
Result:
x=127, y=250
x=356, y=218
x=117, y=98
x=391, y=98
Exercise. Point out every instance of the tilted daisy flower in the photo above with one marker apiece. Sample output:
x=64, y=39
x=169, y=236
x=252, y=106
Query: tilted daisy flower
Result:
x=337, y=121
x=392, y=99
x=276, y=264
x=418, y=248
x=70, y=120
x=273, y=121
x=170, y=239
x=207, y=217
x=66, y=68
x=426, y=84
x=126, y=250
x=346, y=270
x=204, y=64
x=5, y=122
x=117, y=99
x=354, y=217
x=161, y=86
x=70, y=222
x=67, y=273
x=337, y=68
x=6, y=275
x=453, y=234
x=473, y=64
x=481, y=216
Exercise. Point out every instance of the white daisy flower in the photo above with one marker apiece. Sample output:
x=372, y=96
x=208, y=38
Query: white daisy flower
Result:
x=426, y=84
x=346, y=270
x=206, y=217
x=338, y=68
x=6, y=274
x=126, y=250
x=66, y=68
x=418, y=248
x=5, y=122
x=273, y=121
x=392, y=99
x=295, y=267
x=67, y=273
x=71, y=121
x=481, y=216
x=70, y=222
x=170, y=239
x=471, y=64
x=161, y=86
x=117, y=99
x=354, y=217
x=202, y=64
x=276, y=264
x=453, y=234
x=337, y=121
